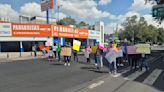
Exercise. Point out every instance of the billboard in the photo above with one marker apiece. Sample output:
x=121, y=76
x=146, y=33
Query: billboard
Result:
x=5, y=29
x=31, y=29
x=47, y=4
x=93, y=34
x=69, y=32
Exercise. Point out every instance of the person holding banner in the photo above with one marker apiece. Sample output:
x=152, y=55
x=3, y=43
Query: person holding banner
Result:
x=67, y=57
x=111, y=58
x=144, y=62
x=75, y=56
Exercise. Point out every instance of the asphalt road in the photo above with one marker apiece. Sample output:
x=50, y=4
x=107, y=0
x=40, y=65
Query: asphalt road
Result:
x=39, y=75
x=43, y=76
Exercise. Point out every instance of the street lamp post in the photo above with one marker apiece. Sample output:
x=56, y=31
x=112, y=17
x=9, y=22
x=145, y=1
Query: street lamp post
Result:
x=58, y=20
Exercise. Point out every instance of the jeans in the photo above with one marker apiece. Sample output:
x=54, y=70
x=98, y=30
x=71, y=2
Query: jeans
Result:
x=75, y=57
x=58, y=56
x=144, y=63
x=99, y=61
x=67, y=59
x=113, y=67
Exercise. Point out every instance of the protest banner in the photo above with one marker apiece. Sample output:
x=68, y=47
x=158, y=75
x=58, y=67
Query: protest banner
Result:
x=143, y=48
x=66, y=51
x=131, y=49
x=94, y=48
x=76, y=45
x=120, y=53
x=47, y=48
x=111, y=56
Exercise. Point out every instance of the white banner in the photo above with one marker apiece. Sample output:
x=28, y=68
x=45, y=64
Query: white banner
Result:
x=93, y=34
x=5, y=29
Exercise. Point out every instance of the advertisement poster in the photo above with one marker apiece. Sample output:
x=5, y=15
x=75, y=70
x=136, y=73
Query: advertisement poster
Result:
x=23, y=29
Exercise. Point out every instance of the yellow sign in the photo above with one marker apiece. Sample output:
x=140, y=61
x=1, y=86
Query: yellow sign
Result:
x=143, y=48
x=94, y=48
x=76, y=45
x=114, y=45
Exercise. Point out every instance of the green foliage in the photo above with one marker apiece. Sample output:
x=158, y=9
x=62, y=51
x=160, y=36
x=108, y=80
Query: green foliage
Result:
x=139, y=31
x=67, y=21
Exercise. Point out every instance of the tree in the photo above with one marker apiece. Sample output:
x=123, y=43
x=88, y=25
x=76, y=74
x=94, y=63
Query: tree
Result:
x=139, y=31
x=67, y=21
x=160, y=35
x=82, y=24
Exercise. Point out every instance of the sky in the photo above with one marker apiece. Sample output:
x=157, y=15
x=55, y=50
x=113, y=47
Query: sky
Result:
x=111, y=12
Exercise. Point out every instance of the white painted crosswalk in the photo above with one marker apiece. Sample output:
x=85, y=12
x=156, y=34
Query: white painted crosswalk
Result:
x=134, y=75
x=152, y=77
x=149, y=80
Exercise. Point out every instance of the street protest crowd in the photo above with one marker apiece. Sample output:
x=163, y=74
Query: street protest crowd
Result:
x=115, y=55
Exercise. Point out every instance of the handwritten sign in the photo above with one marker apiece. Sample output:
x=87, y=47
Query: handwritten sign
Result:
x=111, y=56
x=143, y=48
x=76, y=45
x=66, y=51
x=132, y=49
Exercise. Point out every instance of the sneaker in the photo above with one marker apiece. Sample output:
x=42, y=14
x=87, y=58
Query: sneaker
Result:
x=95, y=64
x=69, y=64
x=65, y=64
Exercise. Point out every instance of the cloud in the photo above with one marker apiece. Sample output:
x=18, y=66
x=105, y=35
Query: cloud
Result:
x=104, y=2
x=7, y=12
x=151, y=21
x=31, y=9
x=61, y=15
x=139, y=5
x=112, y=27
x=84, y=9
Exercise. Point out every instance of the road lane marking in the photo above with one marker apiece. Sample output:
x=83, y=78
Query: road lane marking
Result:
x=134, y=75
x=95, y=84
x=152, y=77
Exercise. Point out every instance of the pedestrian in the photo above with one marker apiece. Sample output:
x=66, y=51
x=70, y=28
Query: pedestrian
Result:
x=88, y=51
x=112, y=62
x=99, y=53
x=58, y=50
x=144, y=62
x=43, y=51
x=50, y=54
x=34, y=49
x=54, y=50
x=75, y=56
x=67, y=58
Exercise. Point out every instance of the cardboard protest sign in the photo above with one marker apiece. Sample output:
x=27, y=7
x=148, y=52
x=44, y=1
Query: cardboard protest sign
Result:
x=143, y=48
x=131, y=49
x=120, y=53
x=76, y=45
x=47, y=48
x=111, y=56
x=94, y=48
x=66, y=51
